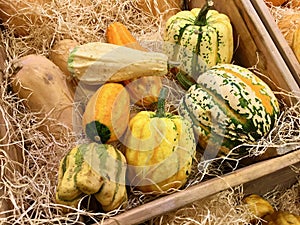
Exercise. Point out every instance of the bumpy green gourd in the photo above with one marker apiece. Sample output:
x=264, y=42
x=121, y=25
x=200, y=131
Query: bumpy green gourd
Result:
x=229, y=106
x=89, y=169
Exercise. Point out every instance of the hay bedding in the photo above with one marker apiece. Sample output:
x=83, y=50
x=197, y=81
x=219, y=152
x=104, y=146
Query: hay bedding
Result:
x=32, y=190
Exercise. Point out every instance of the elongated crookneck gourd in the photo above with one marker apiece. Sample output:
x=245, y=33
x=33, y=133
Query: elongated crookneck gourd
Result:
x=228, y=106
x=106, y=115
x=198, y=39
x=159, y=150
x=97, y=63
x=92, y=169
x=117, y=33
x=143, y=91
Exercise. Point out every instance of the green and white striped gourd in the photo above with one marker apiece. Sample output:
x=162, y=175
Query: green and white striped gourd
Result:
x=229, y=106
x=198, y=39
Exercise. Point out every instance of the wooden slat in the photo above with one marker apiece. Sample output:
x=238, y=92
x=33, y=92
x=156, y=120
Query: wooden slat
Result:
x=278, y=38
x=242, y=176
x=279, y=180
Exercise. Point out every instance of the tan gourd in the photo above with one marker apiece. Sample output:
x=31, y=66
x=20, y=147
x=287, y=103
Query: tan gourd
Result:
x=282, y=218
x=59, y=54
x=43, y=86
x=19, y=15
x=257, y=205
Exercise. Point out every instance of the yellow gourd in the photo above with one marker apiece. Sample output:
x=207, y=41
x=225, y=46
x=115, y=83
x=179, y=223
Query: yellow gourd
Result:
x=159, y=150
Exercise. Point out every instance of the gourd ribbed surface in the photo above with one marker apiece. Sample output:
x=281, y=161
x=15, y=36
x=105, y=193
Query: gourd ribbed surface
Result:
x=229, y=102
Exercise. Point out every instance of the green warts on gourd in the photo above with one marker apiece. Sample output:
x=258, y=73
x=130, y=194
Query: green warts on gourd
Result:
x=98, y=132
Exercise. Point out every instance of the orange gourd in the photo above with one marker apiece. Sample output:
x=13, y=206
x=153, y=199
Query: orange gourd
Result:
x=118, y=34
x=294, y=4
x=145, y=90
x=106, y=115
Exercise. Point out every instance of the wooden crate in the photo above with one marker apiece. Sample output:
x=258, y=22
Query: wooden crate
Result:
x=278, y=38
x=254, y=48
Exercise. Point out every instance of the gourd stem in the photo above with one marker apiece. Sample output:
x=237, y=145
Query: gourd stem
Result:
x=184, y=80
x=201, y=18
x=161, y=102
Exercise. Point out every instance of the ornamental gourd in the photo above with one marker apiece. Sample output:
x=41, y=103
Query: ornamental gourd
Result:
x=92, y=169
x=159, y=150
x=229, y=106
x=96, y=63
x=258, y=206
x=106, y=115
x=45, y=90
x=198, y=39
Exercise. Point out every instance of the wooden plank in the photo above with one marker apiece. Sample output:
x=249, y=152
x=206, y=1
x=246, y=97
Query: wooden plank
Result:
x=177, y=200
x=279, y=180
x=277, y=37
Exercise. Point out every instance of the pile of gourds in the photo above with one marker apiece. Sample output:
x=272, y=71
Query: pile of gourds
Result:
x=225, y=105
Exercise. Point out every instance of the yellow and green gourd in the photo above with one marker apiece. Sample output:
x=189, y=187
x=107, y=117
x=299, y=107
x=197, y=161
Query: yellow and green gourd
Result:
x=198, y=39
x=159, y=151
x=92, y=169
x=228, y=106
